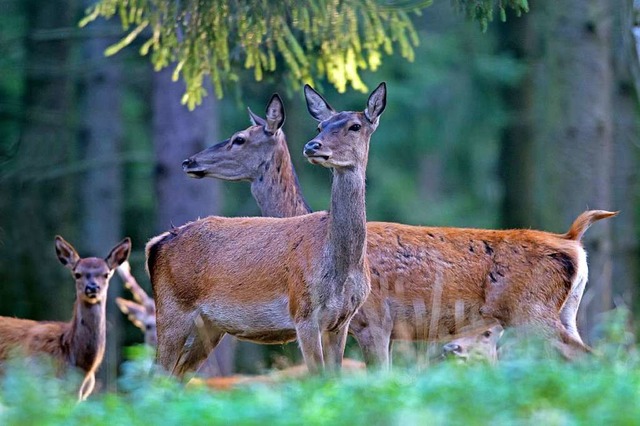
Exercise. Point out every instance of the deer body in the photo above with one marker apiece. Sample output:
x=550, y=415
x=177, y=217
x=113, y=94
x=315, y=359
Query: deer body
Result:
x=271, y=280
x=426, y=282
x=81, y=342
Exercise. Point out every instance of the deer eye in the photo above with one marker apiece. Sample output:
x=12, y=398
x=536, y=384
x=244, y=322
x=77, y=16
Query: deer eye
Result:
x=106, y=275
x=487, y=333
x=78, y=275
x=239, y=141
x=355, y=127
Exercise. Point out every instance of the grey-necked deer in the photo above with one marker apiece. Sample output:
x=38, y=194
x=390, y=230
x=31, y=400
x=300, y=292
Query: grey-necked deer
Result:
x=426, y=282
x=142, y=310
x=273, y=280
x=81, y=342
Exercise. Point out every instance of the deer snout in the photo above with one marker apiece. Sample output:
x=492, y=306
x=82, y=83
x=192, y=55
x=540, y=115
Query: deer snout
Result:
x=189, y=162
x=451, y=349
x=91, y=289
x=311, y=147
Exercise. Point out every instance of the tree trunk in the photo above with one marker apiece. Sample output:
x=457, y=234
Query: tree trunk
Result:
x=101, y=189
x=177, y=134
x=574, y=134
x=37, y=199
x=625, y=157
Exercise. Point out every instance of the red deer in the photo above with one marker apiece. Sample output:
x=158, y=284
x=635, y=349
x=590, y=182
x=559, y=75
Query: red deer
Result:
x=142, y=310
x=81, y=342
x=478, y=342
x=425, y=281
x=273, y=280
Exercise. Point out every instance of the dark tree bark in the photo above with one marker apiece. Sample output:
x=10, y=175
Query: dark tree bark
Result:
x=38, y=200
x=101, y=186
x=625, y=156
x=177, y=134
x=574, y=132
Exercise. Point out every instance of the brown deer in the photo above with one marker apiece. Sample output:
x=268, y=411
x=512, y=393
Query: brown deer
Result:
x=478, y=342
x=142, y=310
x=426, y=281
x=81, y=342
x=273, y=280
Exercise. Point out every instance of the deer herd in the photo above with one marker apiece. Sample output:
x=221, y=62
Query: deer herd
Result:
x=315, y=277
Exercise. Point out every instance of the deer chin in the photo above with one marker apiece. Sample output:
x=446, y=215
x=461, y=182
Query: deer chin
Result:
x=196, y=174
x=321, y=160
x=92, y=300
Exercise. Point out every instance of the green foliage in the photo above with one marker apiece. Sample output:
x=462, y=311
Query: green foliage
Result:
x=316, y=38
x=483, y=10
x=312, y=39
x=527, y=387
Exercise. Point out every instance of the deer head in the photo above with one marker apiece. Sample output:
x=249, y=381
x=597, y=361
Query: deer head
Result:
x=477, y=343
x=343, y=138
x=240, y=157
x=91, y=274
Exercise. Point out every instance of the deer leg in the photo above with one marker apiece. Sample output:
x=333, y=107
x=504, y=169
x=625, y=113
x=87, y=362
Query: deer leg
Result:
x=376, y=345
x=333, y=347
x=310, y=341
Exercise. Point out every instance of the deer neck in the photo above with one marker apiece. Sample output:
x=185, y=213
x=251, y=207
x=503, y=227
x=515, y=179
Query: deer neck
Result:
x=85, y=340
x=276, y=190
x=347, y=221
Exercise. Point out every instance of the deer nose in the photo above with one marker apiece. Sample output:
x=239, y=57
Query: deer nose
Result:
x=91, y=289
x=451, y=348
x=187, y=163
x=311, y=147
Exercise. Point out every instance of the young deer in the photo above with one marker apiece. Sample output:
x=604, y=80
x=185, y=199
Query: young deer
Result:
x=475, y=343
x=81, y=342
x=272, y=280
x=426, y=282
x=142, y=310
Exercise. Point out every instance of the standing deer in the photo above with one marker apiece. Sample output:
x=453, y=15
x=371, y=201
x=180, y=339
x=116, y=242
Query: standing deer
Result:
x=426, y=282
x=142, y=310
x=81, y=342
x=273, y=280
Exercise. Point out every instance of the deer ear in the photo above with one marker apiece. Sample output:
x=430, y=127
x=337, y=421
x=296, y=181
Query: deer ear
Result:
x=317, y=106
x=67, y=255
x=119, y=253
x=256, y=120
x=275, y=114
x=376, y=103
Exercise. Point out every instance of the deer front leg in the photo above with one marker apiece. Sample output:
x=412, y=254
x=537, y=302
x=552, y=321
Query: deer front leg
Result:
x=309, y=339
x=333, y=348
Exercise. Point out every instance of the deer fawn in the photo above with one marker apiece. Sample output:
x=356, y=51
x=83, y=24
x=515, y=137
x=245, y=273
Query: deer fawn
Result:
x=142, y=310
x=81, y=342
x=426, y=281
x=272, y=280
x=478, y=342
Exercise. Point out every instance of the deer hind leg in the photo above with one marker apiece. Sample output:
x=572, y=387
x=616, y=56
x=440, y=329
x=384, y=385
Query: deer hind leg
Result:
x=376, y=346
x=86, y=387
x=310, y=341
x=333, y=347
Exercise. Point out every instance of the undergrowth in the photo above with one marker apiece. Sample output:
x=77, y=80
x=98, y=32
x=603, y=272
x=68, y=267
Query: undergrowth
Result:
x=528, y=386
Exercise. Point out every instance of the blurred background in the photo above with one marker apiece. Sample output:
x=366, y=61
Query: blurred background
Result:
x=526, y=125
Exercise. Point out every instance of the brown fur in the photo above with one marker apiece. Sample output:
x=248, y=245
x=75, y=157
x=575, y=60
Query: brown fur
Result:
x=476, y=272
x=295, y=372
x=81, y=342
x=272, y=280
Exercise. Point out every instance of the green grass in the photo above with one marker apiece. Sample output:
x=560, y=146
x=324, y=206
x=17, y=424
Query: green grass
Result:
x=526, y=387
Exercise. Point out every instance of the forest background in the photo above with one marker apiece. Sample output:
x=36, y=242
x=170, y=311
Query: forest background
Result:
x=525, y=125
